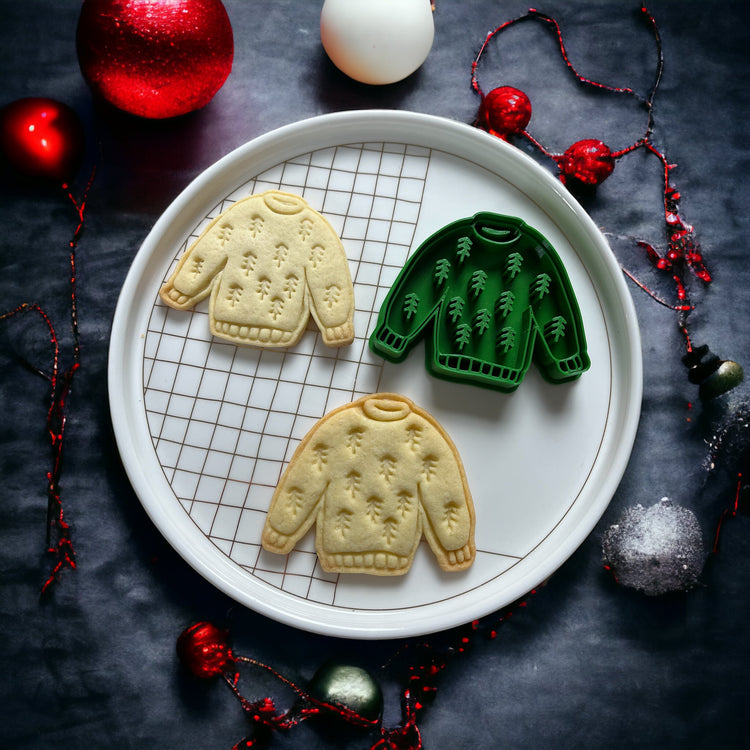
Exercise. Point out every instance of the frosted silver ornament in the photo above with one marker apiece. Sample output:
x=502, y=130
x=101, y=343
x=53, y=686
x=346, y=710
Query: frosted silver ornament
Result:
x=655, y=550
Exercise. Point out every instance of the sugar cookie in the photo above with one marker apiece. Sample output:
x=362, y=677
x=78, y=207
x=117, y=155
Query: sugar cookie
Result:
x=374, y=475
x=268, y=262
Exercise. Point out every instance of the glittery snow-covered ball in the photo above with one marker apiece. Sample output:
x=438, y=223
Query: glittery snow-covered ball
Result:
x=655, y=550
x=505, y=111
x=588, y=162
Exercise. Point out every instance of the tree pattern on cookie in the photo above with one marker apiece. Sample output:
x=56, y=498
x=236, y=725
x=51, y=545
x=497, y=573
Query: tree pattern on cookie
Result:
x=269, y=246
x=373, y=476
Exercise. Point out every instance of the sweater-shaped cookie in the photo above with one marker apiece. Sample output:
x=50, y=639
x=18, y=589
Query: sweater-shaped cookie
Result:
x=268, y=262
x=488, y=293
x=374, y=476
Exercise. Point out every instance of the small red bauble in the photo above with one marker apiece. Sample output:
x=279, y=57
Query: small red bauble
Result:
x=41, y=138
x=153, y=58
x=587, y=162
x=204, y=650
x=505, y=111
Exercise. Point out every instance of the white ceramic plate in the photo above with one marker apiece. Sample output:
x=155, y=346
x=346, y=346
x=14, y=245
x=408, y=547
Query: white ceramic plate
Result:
x=206, y=428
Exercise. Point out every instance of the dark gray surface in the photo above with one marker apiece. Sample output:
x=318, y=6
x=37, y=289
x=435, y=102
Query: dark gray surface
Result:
x=587, y=664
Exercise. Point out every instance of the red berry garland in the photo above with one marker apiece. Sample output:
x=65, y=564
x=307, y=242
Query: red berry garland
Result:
x=333, y=692
x=506, y=111
x=342, y=691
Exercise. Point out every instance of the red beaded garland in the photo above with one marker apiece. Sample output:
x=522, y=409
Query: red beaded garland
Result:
x=505, y=111
x=204, y=650
x=588, y=162
x=41, y=138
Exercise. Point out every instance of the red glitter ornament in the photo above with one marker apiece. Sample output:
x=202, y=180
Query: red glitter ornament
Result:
x=588, y=162
x=504, y=111
x=204, y=650
x=41, y=138
x=155, y=59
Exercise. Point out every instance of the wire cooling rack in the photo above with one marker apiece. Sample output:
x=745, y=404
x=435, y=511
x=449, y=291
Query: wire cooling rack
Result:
x=225, y=420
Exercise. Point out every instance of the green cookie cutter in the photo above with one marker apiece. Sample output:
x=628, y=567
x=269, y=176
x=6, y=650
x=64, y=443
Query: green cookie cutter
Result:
x=495, y=295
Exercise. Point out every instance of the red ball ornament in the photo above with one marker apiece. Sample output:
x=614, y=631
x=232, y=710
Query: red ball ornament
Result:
x=41, y=138
x=155, y=58
x=588, y=162
x=505, y=111
x=204, y=650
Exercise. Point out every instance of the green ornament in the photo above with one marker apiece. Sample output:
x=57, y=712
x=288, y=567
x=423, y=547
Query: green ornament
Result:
x=714, y=376
x=352, y=687
x=726, y=376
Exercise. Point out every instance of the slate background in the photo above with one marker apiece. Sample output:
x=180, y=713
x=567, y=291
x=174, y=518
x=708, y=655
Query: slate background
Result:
x=587, y=664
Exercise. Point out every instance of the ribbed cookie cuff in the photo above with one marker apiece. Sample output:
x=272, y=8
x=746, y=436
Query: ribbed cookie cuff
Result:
x=461, y=558
x=273, y=541
x=364, y=562
x=339, y=335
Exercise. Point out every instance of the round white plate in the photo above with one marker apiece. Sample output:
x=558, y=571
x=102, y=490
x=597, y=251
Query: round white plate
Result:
x=205, y=428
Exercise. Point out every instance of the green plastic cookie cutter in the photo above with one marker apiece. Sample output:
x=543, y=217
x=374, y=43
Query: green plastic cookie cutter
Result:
x=495, y=295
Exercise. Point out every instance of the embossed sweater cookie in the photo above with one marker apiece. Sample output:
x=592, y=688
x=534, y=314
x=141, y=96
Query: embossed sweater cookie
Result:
x=374, y=476
x=493, y=293
x=268, y=262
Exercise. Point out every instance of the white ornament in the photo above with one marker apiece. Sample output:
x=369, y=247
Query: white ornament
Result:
x=377, y=41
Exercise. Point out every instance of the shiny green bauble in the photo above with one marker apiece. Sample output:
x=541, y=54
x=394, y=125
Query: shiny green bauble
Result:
x=726, y=376
x=352, y=687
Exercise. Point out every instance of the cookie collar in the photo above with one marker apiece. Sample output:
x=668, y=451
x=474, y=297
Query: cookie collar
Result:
x=386, y=407
x=283, y=203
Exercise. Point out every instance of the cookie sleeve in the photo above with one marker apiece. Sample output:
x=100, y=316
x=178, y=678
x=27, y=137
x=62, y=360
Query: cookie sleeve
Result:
x=446, y=501
x=200, y=264
x=295, y=501
x=329, y=282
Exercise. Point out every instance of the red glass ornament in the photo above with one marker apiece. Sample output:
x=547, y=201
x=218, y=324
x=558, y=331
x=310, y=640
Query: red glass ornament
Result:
x=155, y=59
x=204, y=650
x=505, y=111
x=588, y=162
x=41, y=138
